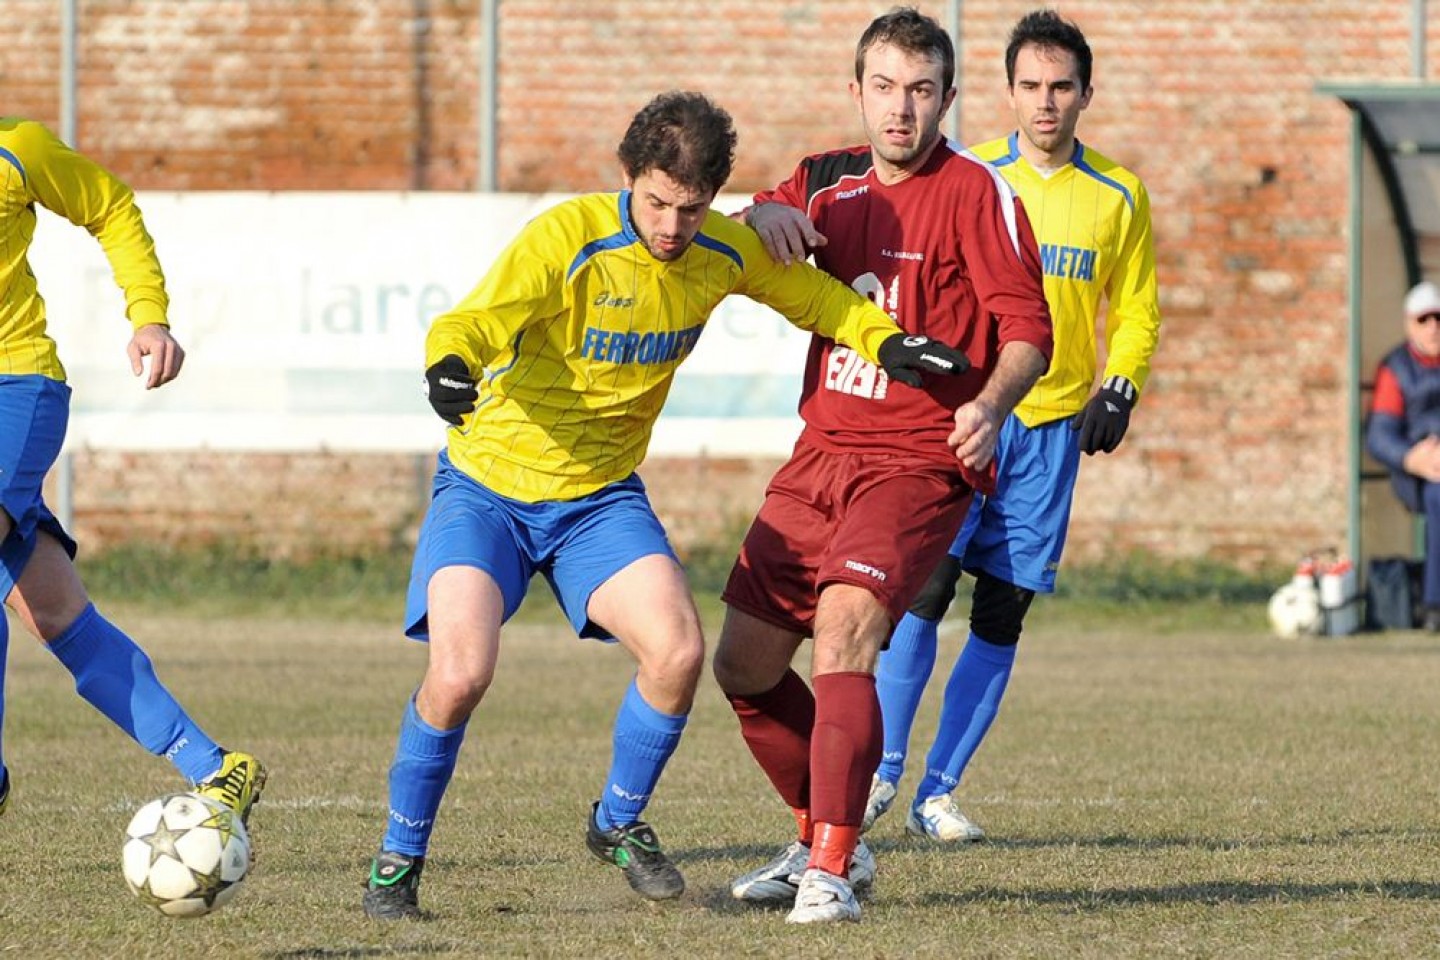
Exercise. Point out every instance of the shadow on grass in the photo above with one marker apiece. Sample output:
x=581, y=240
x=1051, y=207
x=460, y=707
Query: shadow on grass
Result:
x=1206, y=893
x=341, y=953
x=756, y=854
x=1123, y=842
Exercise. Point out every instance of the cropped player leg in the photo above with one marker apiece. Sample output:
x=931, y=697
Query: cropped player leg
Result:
x=464, y=609
x=775, y=708
x=648, y=608
x=1015, y=551
x=4, y=658
x=6, y=525
x=977, y=684
x=850, y=626
x=111, y=672
x=905, y=666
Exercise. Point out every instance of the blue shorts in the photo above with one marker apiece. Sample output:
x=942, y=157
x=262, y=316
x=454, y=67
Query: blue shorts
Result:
x=576, y=544
x=34, y=412
x=1017, y=533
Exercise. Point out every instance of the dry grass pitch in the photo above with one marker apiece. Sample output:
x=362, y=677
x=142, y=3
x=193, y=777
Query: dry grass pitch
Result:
x=1160, y=783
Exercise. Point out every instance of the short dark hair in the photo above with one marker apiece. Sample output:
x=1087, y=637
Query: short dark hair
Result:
x=913, y=32
x=1046, y=28
x=683, y=134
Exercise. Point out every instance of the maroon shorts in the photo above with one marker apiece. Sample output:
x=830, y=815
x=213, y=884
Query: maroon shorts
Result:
x=881, y=522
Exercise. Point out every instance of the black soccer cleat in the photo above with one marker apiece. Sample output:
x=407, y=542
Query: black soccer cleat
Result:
x=4, y=786
x=393, y=892
x=636, y=850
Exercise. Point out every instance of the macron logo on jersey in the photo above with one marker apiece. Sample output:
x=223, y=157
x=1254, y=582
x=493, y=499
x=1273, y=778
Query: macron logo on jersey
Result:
x=609, y=346
x=1069, y=263
x=866, y=569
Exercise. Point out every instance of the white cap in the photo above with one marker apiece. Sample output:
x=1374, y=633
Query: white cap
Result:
x=1422, y=299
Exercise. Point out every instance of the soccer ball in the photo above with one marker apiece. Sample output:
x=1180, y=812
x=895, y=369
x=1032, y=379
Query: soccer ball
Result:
x=185, y=854
x=1295, y=611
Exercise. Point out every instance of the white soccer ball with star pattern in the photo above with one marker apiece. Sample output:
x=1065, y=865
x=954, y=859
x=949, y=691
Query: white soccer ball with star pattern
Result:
x=185, y=854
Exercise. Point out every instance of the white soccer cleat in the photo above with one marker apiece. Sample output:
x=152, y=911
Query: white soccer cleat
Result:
x=940, y=819
x=773, y=882
x=823, y=898
x=882, y=795
x=777, y=881
x=862, y=867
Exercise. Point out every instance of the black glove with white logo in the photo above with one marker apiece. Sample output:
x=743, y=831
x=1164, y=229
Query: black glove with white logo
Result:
x=450, y=388
x=904, y=356
x=1103, y=422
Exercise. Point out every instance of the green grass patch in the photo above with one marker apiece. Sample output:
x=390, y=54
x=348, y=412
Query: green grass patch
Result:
x=227, y=580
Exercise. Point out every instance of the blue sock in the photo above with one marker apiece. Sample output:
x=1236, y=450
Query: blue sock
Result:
x=972, y=698
x=4, y=650
x=900, y=679
x=117, y=678
x=644, y=740
x=424, y=760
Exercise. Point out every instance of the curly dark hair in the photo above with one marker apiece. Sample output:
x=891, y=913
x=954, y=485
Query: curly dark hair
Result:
x=916, y=34
x=683, y=134
x=1046, y=28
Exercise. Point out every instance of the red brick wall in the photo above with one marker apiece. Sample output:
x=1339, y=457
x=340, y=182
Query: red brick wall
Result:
x=1239, y=447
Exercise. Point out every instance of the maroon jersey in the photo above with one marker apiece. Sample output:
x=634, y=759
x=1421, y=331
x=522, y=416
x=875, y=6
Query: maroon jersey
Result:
x=948, y=252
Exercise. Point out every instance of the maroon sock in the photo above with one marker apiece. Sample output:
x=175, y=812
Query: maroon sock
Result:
x=845, y=748
x=776, y=726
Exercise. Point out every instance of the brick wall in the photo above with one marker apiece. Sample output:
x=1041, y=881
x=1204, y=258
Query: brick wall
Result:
x=1239, y=447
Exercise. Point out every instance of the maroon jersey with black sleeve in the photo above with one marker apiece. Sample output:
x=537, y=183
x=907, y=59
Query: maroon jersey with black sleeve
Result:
x=948, y=252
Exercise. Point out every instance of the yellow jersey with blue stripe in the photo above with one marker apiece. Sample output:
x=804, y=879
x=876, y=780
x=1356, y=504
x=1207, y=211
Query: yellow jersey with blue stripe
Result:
x=577, y=330
x=1091, y=219
x=37, y=168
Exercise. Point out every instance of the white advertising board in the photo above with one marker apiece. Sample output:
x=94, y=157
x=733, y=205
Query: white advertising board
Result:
x=303, y=317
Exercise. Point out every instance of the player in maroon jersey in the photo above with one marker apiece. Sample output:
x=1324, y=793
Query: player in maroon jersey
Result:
x=883, y=472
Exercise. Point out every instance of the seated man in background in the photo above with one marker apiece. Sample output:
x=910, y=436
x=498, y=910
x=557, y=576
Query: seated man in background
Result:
x=1403, y=430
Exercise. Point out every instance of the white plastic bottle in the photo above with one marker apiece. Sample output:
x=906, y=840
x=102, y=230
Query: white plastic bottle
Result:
x=1339, y=600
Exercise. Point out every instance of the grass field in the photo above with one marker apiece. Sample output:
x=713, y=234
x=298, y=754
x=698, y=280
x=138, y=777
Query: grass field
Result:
x=1165, y=780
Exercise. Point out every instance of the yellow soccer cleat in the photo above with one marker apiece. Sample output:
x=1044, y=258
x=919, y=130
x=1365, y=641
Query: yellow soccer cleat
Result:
x=237, y=784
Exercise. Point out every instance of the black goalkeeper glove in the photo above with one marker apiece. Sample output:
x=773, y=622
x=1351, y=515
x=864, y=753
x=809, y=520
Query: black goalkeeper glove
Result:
x=904, y=356
x=450, y=388
x=1106, y=416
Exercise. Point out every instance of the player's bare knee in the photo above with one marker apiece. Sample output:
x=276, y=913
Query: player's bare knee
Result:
x=939, y=591
x=676, y=665
x=739, y=674
x=728, y=669
x=456, y=693
x=999, y=609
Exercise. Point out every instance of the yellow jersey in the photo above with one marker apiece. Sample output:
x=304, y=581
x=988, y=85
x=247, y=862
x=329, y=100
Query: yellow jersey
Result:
x=576, y=332
x=35, y=167
x=1091, y=219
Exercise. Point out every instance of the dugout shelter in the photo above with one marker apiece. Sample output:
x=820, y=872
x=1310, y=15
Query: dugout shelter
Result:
x=1394, y=244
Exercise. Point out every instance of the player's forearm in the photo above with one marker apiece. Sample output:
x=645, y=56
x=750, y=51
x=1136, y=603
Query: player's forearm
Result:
x=1385, y=441
x=88, y=195
x=1132, y=342
x=454, y=333
x=136, y=268
x=865, y=327
x=815, y=301
x=1019, y=365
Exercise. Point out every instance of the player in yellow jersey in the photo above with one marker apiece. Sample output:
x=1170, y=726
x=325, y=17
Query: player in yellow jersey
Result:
x=37, y=572
x=552, y=373
x=1091, y=218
